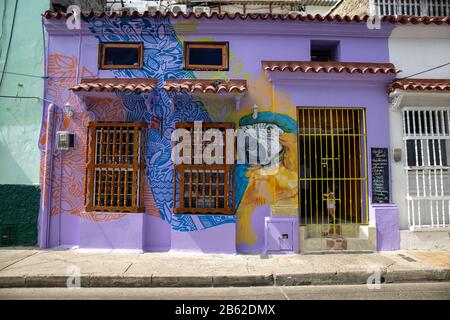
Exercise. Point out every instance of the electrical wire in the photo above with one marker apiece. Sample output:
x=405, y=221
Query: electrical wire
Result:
x=9, y=41
x=35, y=76
x=431, y=69
x=24, y=74
x=27, y=97
x=50, y=77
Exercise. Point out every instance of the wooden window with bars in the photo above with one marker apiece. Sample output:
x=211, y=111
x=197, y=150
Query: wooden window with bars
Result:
x=205, y=188
x=114, y=164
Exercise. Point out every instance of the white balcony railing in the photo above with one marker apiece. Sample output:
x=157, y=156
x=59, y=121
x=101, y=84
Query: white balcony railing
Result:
x=412, y=7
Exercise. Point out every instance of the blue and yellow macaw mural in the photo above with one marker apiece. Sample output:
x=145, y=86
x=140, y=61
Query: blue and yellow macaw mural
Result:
x=260, y=184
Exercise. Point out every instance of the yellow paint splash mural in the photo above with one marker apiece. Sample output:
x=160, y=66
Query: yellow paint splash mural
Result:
x=265, y=185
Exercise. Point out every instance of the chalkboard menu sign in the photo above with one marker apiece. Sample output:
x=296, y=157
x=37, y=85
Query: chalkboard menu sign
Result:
x=380, y=175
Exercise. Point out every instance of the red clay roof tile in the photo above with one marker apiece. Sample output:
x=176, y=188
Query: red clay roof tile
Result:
x=138, y=85
x=205, y=85
x=327, y=67
x=420, y=84
x=254, y=16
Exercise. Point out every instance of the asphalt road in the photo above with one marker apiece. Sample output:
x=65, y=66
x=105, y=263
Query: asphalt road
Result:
x=419, y=291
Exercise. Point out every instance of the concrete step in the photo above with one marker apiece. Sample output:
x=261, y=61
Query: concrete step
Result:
x=333, y=239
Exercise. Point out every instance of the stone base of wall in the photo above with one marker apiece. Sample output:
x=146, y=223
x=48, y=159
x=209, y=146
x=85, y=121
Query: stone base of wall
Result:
x=425, y=240
x=19, y=210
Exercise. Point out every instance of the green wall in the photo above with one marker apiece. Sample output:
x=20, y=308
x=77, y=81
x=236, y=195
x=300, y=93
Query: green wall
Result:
x=19, y=207
x=21, y=74
x=20, y=118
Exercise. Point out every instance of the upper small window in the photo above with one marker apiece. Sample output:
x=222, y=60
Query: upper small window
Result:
x=206, y=55
x=324, y=50
x=121, y=55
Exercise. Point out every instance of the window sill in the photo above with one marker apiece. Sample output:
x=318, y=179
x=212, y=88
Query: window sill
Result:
x=112, y=212
x=205, y=69
x=119, y=67
x=205, y=212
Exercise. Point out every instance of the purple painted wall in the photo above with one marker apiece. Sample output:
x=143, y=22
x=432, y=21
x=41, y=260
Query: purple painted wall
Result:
x=156, y=235
x=113, y=234
x=337, y=90
x=281, y=235
x=221, y=239
x=258, y=221
x=386, y=220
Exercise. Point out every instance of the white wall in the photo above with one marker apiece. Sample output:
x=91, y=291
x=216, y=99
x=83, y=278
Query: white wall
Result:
x=398, y=175
x=415, y=48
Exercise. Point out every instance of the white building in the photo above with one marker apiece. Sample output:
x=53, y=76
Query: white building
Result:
x=427, y=8
x=420, y=134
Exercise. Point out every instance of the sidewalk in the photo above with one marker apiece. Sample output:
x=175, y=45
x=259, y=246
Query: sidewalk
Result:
x=51, y=268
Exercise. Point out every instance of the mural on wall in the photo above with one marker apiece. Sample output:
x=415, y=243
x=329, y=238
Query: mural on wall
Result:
x=68, y=167
x=163, y=59
x=163, y=56
x=266, y=183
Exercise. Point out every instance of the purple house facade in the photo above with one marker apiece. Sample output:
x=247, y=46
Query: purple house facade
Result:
x=314, y=90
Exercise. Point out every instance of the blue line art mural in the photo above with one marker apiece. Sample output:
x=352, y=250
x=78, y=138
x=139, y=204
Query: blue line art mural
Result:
x=163, y=59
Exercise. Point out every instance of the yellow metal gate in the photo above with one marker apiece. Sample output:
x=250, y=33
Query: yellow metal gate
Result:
x=333, y=194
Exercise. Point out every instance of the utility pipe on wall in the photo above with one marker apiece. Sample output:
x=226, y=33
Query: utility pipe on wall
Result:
x=46, y=199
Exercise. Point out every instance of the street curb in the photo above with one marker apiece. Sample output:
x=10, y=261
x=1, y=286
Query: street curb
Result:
x=182, y=281
x=329, y=278
x=118, y=281
x=243, y=281
x=397, y=276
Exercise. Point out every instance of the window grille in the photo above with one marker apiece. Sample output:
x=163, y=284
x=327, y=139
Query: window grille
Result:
x=205, y=188
x=426, y=135
x=114, y=166
x=413, y=7
x=333, y=185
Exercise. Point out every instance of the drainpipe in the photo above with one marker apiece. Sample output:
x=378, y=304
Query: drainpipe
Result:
x=46, y=201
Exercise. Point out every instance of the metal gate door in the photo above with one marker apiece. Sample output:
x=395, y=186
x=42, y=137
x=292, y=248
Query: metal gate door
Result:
x=333, y=194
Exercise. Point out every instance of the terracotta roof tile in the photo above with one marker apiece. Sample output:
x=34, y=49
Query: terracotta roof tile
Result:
x=252, y=16
x=139, y=85
x=327, y=67
x=206, y=85
x=420, y=84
